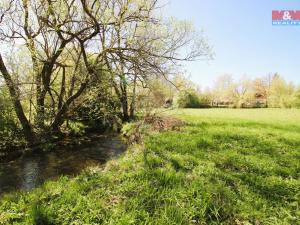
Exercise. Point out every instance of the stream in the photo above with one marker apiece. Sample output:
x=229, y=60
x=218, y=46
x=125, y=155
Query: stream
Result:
x=30, y=171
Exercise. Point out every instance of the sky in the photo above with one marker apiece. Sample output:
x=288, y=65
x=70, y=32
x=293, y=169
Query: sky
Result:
x=242, y=37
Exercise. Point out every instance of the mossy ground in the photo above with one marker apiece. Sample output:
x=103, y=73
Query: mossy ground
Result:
x=225, y=166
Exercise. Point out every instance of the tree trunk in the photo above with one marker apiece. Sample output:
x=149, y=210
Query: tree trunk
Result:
x=124, y=103
x=43, y=84
x=124, y=99
x=14, y=94
x=132, y=105
x=40, y=109
x=60, y=116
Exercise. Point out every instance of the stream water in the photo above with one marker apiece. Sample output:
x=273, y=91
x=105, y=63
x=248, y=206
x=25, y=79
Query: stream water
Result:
x=30, y=171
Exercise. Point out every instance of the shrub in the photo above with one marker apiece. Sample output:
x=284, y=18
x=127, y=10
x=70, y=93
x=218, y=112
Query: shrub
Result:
x=10, y=131
x=188, y=99
x=191, y=99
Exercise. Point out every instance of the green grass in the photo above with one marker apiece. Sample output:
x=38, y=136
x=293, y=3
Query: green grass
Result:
x=225, y=166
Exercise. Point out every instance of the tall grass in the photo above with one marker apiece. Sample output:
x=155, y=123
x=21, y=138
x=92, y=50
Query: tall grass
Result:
x=224, y=167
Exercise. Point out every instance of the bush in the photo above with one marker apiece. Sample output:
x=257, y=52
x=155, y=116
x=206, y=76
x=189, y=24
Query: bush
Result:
x=10, y=131
x=296, y=102
x=100, y=111
x=191, y=99
x=205, y=100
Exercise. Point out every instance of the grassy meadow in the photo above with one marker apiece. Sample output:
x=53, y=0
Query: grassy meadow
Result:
x=225, y=166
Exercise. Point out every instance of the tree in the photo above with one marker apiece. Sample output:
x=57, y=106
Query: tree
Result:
x=261, y=88
x=242, y=93
x=281, y=93
x=14, y=94
x=9, y=128
x=189, y=99
x=223, y=90
x=67, y=41
x=269, y=91
x=152, y=51
x=48, y=29
x=297, y=98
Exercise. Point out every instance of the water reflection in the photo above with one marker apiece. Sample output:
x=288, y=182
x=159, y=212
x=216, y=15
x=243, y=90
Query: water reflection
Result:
x=31, y=171
x=30, y=174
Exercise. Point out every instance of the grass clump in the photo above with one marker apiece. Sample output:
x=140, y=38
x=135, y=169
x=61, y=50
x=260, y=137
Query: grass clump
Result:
x=218, y=169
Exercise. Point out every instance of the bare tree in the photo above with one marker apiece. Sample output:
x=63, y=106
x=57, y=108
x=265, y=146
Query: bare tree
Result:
x=147, y=49
x=67, y=39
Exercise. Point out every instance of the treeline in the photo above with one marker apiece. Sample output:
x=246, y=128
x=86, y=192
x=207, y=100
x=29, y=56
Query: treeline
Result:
x=270, y=91
x=70, y=64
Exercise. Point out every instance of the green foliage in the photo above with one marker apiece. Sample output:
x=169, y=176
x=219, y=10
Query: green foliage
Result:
x=128, y=129
x=296, y=102
x=10, y=133
x=226, y=167
x=281, y=93
x=191, y=99
x=205, y=100
x=38, y=215
x=160, y=90
x=188, y=99
x=134, y=132
x=100, y=109
x=77, y=128
x=271, y=91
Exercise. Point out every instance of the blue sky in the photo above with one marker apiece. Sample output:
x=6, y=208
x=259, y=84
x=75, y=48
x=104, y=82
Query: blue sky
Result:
x=243, y=38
